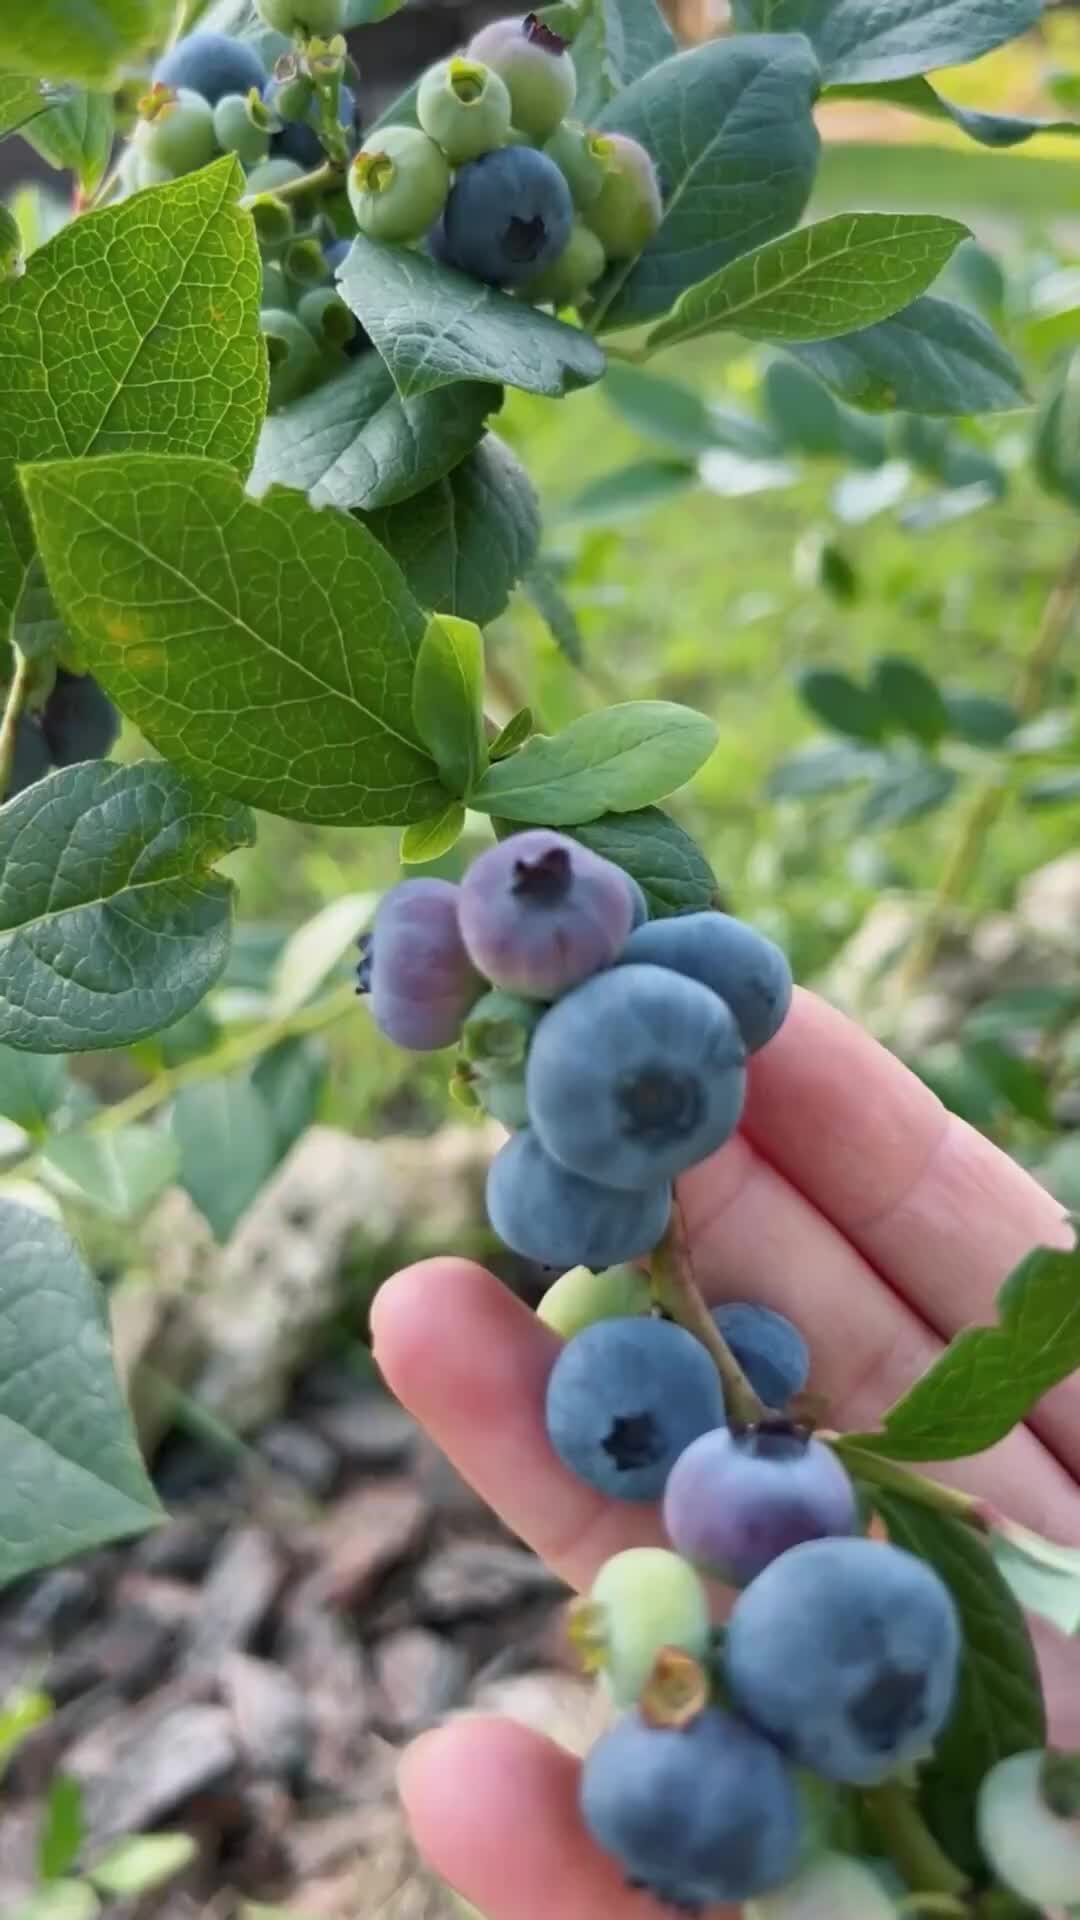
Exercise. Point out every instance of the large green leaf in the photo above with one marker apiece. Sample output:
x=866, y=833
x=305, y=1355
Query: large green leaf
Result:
x=729, y=126
x=1056, y=449
x=669, y=867
x=112, y=922
x=76, y=134
x=664, y=409
x=117, y=1173
x=989, y=1378
x=136, y=327
x=72, y=1475
x=23, y=98
x=999, y=1707
x=32, y=1086
x=932, y=358
x=270, y=650
x=228, y=1146
x=84, y=40
x=886, y=39
x=989, y=129
x=448, y=700
x=464, y=543
x=849, y=271
x=433, y=326
x=615, y=760
x=356, y=443
x=617, y=42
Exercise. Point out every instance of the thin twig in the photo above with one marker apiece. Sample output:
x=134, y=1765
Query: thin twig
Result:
x=675, y=1289
x=16, y=701
x=910, y=1844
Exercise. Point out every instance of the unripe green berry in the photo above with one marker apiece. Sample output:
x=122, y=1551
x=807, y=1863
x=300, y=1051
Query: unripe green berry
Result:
x=305, y=262
x=579, y=155
x=465, y=108
x=398, y=185
x=306, y=17
x=176, y=130
x=295, y=360
x=12, y=263
x=326, y=317
x=579, y=1298
x=271, y=175
x=575, y=269
x=242, y=126
x=293, y=89
x=276, y=291
x=627, y=211
x=536, y=67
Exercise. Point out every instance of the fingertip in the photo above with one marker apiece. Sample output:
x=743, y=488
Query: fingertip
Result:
x=416, y=1289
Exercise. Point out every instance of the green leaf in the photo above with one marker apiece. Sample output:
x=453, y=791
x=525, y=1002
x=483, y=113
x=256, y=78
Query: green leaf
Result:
x=104, y=339
x=617, y=42
x=36, y=627
x=21, y=1711
x=289, y=1080
x=354, y=442
x=663, y=409
x=905, y=790
x=316, y=950
x=911, y=701
x=841, y=703
x=76, y=135
x=1018, y=1081
x=626, y=491
x=270, y=652
x=615, y=760
x=935, y=448
x=808, y=419
x=117, y=1173
x=61, y=1830
x=979, y=717
x=140, y=1862
x=112, y=922
x=433, y=326
x=999, y=1706
x=670, y=868
x=72, y=1474
x=22, y=98
x=448, y=700
x=989, y=129
x=886, y=39
x=989, y=1378
x=1056, y=449
x=84, y=40
x=1044, y=1577
x=730, y=129
x=821, y=767
x=60, y=1900
x=1053, y=790
x=32, y=1086
x=932, y=358
x=464, y=543
x=428, y=840
x=842, y=273
x=227, y=1144
x=542, y=585
x=519, y=728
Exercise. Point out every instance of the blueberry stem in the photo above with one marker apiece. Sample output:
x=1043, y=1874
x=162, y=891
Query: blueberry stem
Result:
x=911, y=1845
x=328, y=175
x=675, y=1289
x=16, y=699
x=874, y=1470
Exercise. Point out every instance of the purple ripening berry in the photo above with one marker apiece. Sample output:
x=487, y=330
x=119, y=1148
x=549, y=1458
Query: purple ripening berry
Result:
x=736, y=1500
x=421, y=982
x=539, y=913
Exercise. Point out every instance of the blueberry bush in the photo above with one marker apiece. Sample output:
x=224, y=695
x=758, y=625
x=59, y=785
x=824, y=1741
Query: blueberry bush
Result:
x=253, y=503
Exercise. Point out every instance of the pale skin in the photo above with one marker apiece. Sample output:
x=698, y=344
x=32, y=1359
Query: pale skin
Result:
x=880, y=1223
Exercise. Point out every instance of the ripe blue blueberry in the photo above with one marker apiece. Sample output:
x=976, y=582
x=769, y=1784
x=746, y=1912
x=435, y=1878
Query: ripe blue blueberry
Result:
x=845, y=1653
x=551, y=1216
x=398, y=185
x=737, y=962
x=625, y=1398
x=736, y=1501
x=770, y=1350
x=211, y=64
x=635, y=1076
x=422, y=985
x=79, y=721
x=639, y=902
x=508, y=216
x=31, y=762
x=536, y=68
x=539, y=912
x=697, y=1814
x=1032, y=1845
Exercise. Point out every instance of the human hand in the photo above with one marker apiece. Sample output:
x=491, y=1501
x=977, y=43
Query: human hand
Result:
x=851, y=1201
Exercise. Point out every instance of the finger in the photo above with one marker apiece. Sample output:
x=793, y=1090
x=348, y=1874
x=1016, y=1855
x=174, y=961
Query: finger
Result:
x=939, y=1211
x=493, y=1809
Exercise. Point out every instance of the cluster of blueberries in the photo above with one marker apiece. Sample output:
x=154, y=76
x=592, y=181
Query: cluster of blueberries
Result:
x=496, y=179
x=209, y=95
x=613, y=1045
x=77, y=722
x=613, y=1048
